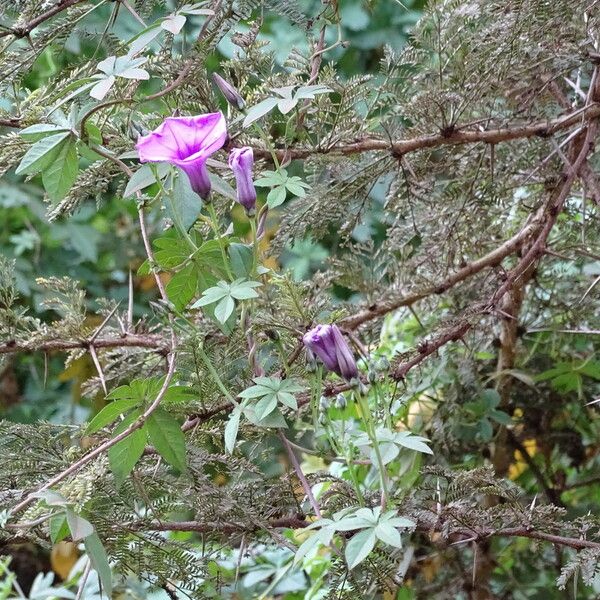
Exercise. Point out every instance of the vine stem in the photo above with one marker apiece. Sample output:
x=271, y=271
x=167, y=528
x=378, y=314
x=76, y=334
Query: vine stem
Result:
x=300, y=475
x=366, y=412
x=214, y=223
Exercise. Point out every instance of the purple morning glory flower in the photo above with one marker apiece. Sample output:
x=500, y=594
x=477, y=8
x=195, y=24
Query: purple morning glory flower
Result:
x=186, y=142
x=328, y=343
x=241, y=161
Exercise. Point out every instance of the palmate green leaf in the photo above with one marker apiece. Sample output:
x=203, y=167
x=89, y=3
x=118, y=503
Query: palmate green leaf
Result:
x=42, y=153
x=414, y=442
x=99, y=559
x=276, y=196
x=255, y=391
x=287, y=399
x=59, y=176
x=359, y=546
x=224, y=309
x=319, y=538
x=265, y=406
x=123, y=456
x=166, y=436
x=171, y=252
x=388, y=535
x=244, y=290
x=210, y=296
x=110, y=412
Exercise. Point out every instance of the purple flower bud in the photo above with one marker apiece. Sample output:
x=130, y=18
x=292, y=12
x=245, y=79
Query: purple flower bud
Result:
x=328, y=343
x=231, y=94
x=186, y=142
x=241, y=161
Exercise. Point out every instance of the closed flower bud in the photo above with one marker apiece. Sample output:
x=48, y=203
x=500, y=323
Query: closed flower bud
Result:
x=371, y=375
x=340, y=401
x=241, y=161
x=328, y=343
x=324, y=403
x=382, y=365
x=231, y=94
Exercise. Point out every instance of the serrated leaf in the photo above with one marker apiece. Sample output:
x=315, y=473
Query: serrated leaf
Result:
x=110, y=412
x=359, y=546
x=59, y=176
x=42, y=153
x=166, y=436
x=182, y=287
x=123, y=456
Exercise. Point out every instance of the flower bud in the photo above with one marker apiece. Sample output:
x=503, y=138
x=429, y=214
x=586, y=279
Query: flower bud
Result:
x=231, y=94
x=328, y=343
x=340, y=401
x=241, y=161
x=324, y=403
x=382, y=365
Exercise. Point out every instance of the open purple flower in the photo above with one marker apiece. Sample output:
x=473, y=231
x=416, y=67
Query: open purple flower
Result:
x=241, y=161
x=328, y=343
x=186, y=142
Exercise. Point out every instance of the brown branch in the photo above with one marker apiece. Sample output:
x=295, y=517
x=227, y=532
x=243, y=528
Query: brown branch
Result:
x=26, y=29
x=492, y=259
x=298, y=522
x=454, y=138
x=295, y=522
x=428, y=347
x=128, y=340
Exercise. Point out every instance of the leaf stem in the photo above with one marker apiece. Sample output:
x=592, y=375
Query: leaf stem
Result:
x=214, y=222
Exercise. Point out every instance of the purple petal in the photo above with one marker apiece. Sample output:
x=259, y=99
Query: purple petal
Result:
x=184, y=139
x=198, y=175
x=345, y=358
x=320, y=341
x=241, y=161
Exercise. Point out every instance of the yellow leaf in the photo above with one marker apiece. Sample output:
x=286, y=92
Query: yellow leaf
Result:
x=62, y=558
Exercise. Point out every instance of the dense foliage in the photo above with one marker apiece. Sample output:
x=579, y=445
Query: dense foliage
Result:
x=323, y=326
